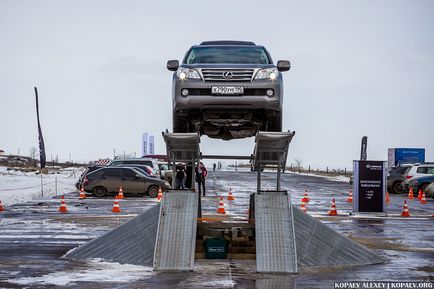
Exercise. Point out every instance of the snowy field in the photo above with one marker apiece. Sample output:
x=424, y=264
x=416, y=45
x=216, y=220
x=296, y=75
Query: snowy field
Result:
x=20, y=187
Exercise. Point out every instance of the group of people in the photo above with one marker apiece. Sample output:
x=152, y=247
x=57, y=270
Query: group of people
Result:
x=183, y=176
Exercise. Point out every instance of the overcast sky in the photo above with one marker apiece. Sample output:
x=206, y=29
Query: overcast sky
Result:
x=358, y=68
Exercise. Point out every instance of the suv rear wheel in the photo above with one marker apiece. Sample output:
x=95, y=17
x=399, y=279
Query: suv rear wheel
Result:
x=179, y=123
x=99, y=191
x=276, y=123
x=153, y=191
x=397, y=188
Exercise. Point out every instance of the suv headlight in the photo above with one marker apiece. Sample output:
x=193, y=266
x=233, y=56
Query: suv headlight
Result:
x=184, y=73
x=267, y=73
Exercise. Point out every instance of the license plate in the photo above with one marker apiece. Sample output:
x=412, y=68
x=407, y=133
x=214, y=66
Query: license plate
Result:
x=227, y=90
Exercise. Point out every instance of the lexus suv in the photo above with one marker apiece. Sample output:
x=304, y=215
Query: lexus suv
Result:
x=227, y=90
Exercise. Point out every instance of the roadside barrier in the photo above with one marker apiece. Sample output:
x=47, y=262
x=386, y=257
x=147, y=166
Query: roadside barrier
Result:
x=230, y=196
x=333, y=211
x=221, y=208
x=405, y=211
x=423, y=199
x=82, y=194
x=410, y=194
x=116, y=208
x=121, y=193
x=63, y=209
x=387, y=198
x=1, y=207
x=303, y=206
x=160, y=194
x=305, y=198
x=350, y=197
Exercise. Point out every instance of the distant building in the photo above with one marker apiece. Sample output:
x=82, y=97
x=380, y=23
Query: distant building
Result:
x=2, y=152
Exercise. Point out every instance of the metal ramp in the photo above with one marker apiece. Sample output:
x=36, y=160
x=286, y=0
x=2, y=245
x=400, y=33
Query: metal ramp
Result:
x=320, y=247
x=130, y=243
x=274, y=230
x=176, y=237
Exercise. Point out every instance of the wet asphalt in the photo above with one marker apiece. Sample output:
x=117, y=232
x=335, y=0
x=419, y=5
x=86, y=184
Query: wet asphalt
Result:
x=34, y=236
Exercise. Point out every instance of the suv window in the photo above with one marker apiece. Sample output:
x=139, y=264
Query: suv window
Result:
x=430, y=170
x=126, y=163
x=422, y=170
x=227, y=54
x=112, y=173
x=95, y=174
x=129, y=173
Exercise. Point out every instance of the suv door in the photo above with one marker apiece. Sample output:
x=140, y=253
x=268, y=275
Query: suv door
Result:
x=112, y=179
x=132, y=182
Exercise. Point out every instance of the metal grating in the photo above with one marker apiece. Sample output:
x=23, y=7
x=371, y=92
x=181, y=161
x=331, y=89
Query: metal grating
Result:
x=271, y=149
x=182, y=147
x=318, y=246
x=130, y=243
x=227, y=75
x=274, y=233
x=176, y=238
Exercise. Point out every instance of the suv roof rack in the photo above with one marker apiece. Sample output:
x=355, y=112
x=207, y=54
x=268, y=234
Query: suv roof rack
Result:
x=227, y=42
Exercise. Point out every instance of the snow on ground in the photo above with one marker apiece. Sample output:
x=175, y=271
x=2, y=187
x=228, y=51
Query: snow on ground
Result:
x=339, y=178
x=19, y=187
x=98, y=271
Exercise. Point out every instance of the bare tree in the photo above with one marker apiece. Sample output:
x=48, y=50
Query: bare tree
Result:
x=32, y=152
x=298, y=161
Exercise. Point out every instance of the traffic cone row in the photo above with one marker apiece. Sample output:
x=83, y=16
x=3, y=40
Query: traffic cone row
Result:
x=387, y=198
x=419, y=195
x=350, y=197
x=63, y=209
x=1, y=207
x=333, y=211
x=230, y=196
x=82, y=194
x=116, y=208
x=423, y=199
x=410, y=194
x=305, y=198
x=221, y=208
x=121, y=193
x=405, y=211
x=303, y=206
x=160, y=194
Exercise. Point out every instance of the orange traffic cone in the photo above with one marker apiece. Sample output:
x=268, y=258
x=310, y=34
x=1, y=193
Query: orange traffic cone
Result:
x=423, y=199
x=387, y=198
x=405, y=211
x=333, y=211
x=221, y=208
x=63, y=209
x=410, y=194
x=230, y=196
x=303, y=206
x=82, y=194
x=116, y=208
x=160, y=195
x=350, y=197
x=419, y=195
x=305, y=198
x=1, y=207
x=121, y=193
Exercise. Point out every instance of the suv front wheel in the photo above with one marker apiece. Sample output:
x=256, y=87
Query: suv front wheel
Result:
x=99, y=192
x=179, y=123
x=153, y=191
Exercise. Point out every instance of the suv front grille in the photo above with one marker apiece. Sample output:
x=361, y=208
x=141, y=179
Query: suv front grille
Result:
x=240, y=75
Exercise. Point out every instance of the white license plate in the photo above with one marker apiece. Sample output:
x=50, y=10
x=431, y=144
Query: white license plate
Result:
x=227, y=90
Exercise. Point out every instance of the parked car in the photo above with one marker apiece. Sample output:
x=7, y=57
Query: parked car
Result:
x=107, y=180
x=147, y=170
x=418, y=170
x=139, y=161
x=165, y=171
x=227, y=90
x=395, y=177
x=419, y=183
x=86, y=172
x=429, y=190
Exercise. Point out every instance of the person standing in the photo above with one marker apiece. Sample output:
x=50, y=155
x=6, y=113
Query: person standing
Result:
x=201, y=173
x=213, y=167
x=180, y=176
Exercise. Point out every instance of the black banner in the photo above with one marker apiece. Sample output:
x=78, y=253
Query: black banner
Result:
x=42, y=157
x=370, y=186
x=364, y=149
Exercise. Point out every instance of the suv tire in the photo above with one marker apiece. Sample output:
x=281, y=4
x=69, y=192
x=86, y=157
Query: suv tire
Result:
x=99, y=192
x=179, y=123
x=276, y=123
x=153, y=191
x=397, y=188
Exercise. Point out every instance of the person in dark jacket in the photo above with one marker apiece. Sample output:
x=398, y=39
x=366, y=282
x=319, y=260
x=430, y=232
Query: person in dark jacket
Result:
x=201, y=174
x=180, y=176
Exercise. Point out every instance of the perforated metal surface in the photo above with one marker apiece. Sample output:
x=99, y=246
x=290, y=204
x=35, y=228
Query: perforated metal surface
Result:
x=130, y=243
x=176, y=237
x=275, y=246
x=182, y=147
x=271, y=149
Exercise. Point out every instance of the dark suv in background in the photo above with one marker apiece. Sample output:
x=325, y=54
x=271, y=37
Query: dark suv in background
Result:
x=227, y=90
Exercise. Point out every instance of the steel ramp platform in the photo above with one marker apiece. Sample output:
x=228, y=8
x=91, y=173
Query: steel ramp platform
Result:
x=130, y=243
x=176, y=237
x=274, y=233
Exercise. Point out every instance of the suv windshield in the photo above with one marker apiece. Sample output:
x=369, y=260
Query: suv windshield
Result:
x=227, y=54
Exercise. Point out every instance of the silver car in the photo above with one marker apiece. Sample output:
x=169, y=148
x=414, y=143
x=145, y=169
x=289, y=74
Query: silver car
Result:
x=227, y=90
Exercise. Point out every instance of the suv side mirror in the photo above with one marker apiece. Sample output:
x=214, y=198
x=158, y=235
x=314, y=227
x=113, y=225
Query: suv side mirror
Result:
x=172, y=65
x=283, y=65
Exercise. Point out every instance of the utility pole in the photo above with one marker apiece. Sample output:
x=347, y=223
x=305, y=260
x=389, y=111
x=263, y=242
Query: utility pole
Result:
x=114, y=153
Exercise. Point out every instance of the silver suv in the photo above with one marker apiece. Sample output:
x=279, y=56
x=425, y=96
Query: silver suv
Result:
x=227, y=90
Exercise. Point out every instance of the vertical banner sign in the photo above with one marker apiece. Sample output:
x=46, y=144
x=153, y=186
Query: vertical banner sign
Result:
x=369, y=186
x=41, y=139
x=151, y=145
x=145, y=138
x=364, y=149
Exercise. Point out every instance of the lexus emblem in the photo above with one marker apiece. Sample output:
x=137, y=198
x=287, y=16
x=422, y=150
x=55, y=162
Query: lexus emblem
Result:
x=227, y=74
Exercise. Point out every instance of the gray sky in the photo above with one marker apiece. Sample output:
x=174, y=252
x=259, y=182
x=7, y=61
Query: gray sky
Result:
x=358, y=68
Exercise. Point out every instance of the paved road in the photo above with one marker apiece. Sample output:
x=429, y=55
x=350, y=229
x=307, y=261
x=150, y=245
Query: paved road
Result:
x=34, y=236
